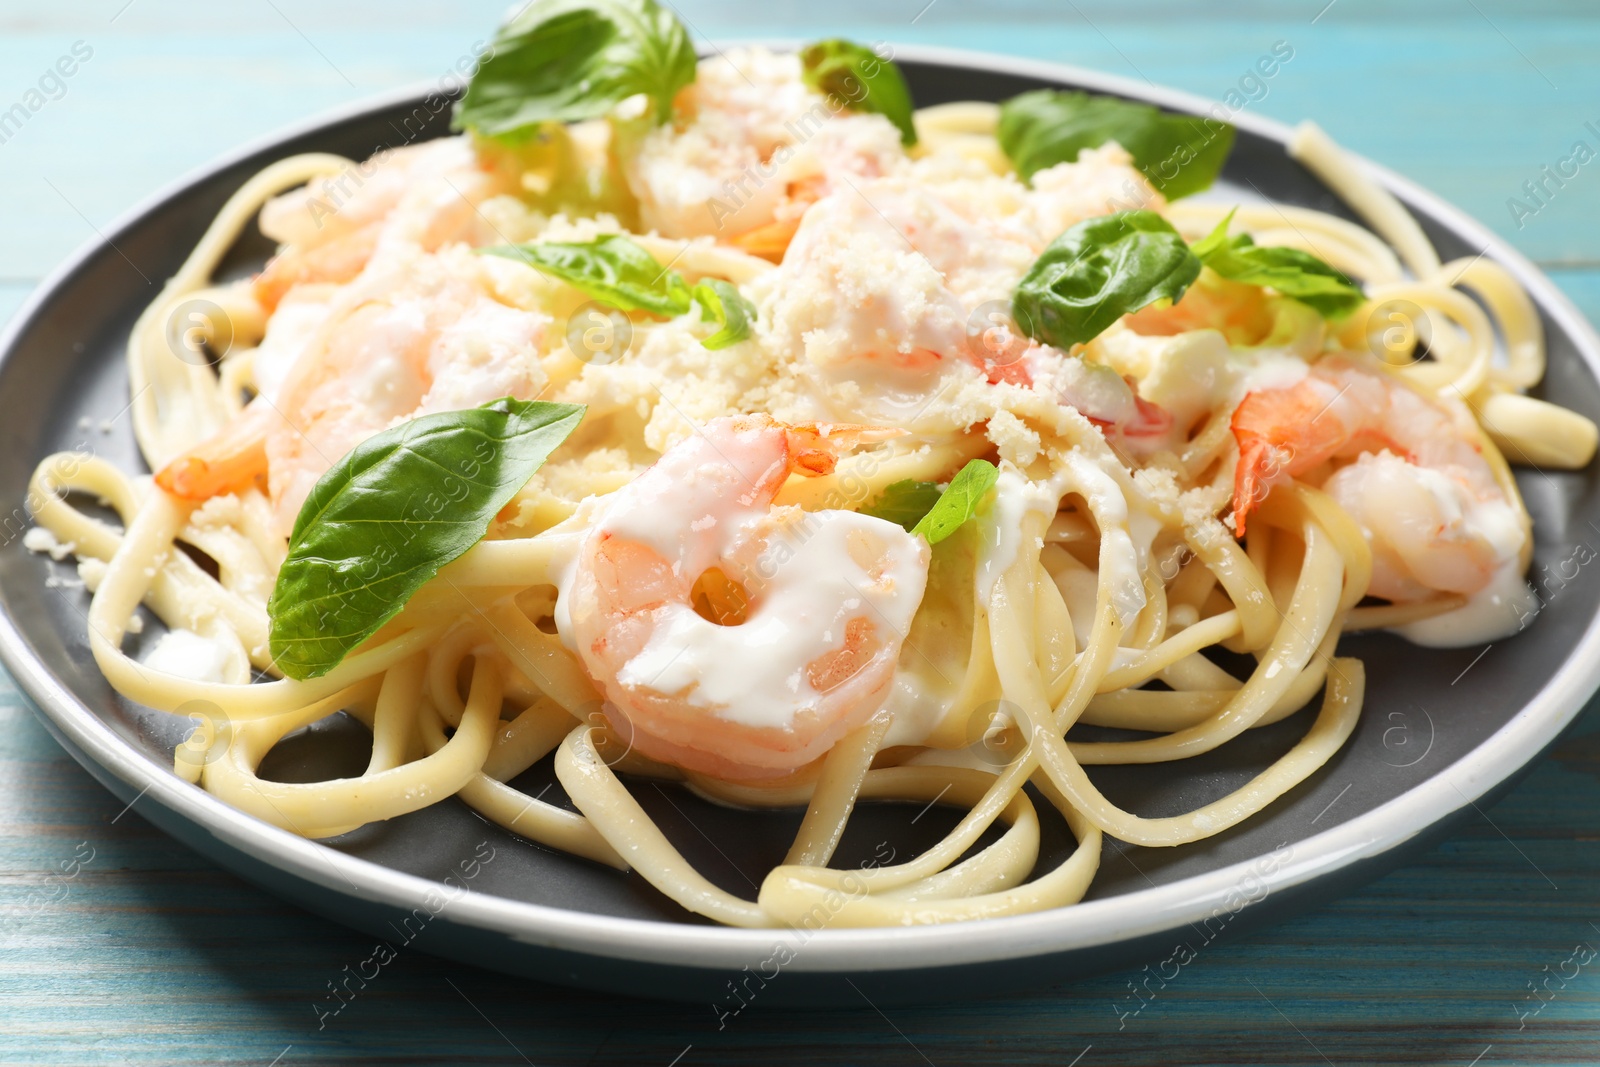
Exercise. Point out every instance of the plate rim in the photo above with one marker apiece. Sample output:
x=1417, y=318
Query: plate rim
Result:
x=1130, y=916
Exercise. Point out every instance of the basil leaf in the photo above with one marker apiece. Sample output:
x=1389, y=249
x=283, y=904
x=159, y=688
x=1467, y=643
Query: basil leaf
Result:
x=618, y=272
x=1098, y=271
x=568, y=60
x=854, y=76
x=1217, y=241
x=611, y=269
x=1293, y=273
x=722, y=304
x=904, y=503
x=388, y=515
x=959, y=502
x=1180, y=154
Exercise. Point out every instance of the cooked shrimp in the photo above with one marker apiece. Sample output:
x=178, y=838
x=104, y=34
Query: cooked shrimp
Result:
x=812, y=605
x=425, y=194
x=754, y=146
x=884, y=284
x=1100, y=181
x=1431, y=530
x=866, y=283
x=897, y=297
x=418, y=334
x=1433, y=512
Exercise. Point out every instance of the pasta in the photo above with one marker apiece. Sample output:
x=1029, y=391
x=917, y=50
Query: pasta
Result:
x=849, y=514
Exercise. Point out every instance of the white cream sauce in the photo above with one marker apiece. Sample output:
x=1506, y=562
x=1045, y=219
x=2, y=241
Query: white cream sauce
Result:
x=1500, y=609
x=1000, y=532
x=1125, y=533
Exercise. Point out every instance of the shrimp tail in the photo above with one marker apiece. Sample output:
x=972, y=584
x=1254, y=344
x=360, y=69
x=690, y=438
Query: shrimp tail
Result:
x=1252, y=478
x=227, y=462
x=815, y=447
x=771, y=241
x=1278, y=435
x=337, y=260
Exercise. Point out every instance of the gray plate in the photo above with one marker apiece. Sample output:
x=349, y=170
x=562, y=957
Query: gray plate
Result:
x=1426, y=749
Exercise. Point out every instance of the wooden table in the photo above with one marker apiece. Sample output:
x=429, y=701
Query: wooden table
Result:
x=151, y=955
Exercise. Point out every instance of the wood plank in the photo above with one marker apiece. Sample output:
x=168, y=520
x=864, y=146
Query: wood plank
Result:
x=1583, y=287
x=12, y=294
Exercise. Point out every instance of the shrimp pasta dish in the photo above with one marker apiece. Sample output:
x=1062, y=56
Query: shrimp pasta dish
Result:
x=733, y=423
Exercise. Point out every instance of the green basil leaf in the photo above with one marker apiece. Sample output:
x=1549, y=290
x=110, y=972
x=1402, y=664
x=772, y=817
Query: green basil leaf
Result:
x=1217, y=241
x=1293, y=273
x=569, y=60
x=388, y=515
x=1098, y=271
x=724, y=305
x=1180, y=154
x=611, y=269
x=904, y=503
x=960, y=502
x=854, y=76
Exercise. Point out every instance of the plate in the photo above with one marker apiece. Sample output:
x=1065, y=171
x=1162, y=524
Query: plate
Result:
x=1442, y=731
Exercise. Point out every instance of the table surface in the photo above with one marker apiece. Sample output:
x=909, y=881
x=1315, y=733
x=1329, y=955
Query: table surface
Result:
x=1480, y=953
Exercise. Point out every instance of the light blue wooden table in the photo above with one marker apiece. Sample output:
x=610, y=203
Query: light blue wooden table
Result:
x=151, y=955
